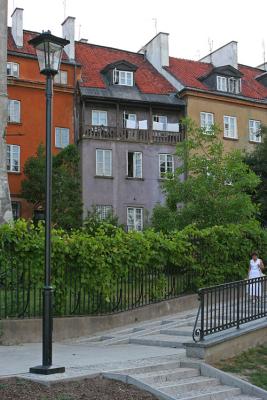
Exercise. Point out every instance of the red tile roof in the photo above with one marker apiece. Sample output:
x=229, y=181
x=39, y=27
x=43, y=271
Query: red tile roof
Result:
x=26, y=48
x=94, y=58
x=188, y=73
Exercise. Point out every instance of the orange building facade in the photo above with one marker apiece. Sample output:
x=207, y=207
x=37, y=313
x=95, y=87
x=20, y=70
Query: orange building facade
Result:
x=26, y=128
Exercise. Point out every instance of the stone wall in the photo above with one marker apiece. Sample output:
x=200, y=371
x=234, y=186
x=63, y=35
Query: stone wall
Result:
x=5, y=205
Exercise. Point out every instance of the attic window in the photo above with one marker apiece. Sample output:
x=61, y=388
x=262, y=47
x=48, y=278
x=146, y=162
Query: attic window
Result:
x=124, y=78
x=230, y=85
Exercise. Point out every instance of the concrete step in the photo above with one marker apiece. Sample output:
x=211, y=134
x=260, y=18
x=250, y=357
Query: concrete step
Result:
x=161, y=340
x=220, y=392
x=159, y=379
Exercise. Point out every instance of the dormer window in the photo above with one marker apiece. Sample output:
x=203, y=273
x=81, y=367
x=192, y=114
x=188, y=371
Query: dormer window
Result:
x=222, y=83
x=124, y=78
x=230, y=85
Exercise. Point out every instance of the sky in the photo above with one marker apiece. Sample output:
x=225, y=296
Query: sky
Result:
x=195, y=26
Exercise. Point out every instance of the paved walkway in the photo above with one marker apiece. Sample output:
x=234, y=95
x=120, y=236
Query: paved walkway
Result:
x=149, y=355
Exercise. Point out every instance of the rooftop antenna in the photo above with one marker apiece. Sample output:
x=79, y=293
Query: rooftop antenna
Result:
x=156, y=24
x=65, y=8
x=79, y=31
x=264, y=54
x=210, y=42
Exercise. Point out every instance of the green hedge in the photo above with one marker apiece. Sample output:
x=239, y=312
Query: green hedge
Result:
x=213, y=255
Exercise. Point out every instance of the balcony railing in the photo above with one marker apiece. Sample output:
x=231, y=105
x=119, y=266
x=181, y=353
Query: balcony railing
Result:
x=131, y=135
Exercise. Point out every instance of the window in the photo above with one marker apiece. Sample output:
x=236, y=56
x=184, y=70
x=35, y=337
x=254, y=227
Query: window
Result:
x=16, y=209
x=254, y=130
x=61, y=77
x=135, y=164
x=206, y=121
x=134, y=219
x=166, y=165
x=62, y=137
x=12, y=69
x=234, y=85
x=99, y=118
x=231, y=85
x=124, y=78
x=129, y=120
x=222, y=83
x=14, y=111
x=13, y=158
x=230, y=127
x=103, y=162
x=104, y=211
x=160, y=122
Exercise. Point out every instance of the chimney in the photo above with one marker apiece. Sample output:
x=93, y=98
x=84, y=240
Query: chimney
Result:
x=263, y=66
x=17, y=26
x=225, y=55
x=157, y=51
x=68, y=32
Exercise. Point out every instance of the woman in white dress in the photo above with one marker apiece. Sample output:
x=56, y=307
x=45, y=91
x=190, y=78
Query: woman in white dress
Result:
x=255, y=271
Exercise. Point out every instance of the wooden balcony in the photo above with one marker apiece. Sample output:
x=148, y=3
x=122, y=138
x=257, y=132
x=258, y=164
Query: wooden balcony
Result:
x=131, y=135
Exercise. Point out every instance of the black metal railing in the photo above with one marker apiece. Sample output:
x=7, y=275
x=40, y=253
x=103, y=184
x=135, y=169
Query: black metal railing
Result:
x=21, y=294
x=230, y=305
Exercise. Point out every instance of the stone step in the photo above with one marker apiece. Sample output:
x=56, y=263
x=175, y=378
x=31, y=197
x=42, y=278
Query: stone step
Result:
x=187, y=385
x=151, y=369
x=161, y=340
x=160, y=379
x=184, y=331
x=220, y=392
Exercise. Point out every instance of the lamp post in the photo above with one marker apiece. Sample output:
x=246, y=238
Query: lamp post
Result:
x=49, y=51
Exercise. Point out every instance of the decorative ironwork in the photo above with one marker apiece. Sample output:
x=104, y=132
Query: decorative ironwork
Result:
x=230, y=305
x=21, y=293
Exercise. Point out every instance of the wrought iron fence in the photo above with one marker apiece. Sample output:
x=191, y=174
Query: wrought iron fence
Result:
x=230, y=305
x=21, y=296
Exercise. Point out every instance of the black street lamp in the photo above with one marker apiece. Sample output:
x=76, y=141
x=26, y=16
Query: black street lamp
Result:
x=49, y=51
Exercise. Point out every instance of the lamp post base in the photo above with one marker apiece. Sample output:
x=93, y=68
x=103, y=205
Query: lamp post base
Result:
x=47, y=370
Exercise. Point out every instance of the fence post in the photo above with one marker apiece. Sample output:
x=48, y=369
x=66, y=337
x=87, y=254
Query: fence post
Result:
x=238, y=306
x=201, y=298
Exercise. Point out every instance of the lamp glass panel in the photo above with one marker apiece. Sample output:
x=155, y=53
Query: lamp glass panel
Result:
x=49, y=56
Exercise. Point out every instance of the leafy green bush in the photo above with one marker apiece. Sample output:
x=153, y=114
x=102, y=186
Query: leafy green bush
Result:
x=96, y=260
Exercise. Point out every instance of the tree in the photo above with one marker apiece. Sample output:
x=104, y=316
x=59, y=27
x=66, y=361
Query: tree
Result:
x=257, y=160
x=66, y=193
x=217, y=189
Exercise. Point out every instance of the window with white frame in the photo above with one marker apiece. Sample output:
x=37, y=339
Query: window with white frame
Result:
x=61, y=77
x=12, y=69
x=254, y=130
x=206, y=121
x=230, y=127
x=124, y=78
x=62, y=137
x=13, y=111
x=160, y=122
x=134, y=169
x=103, y=162
x=234, y=85
x=103, y=212
x=13, y=158
x=129, y=120
x=135, y=218
x=166, y=165
x=222, y=83
x=99, y=118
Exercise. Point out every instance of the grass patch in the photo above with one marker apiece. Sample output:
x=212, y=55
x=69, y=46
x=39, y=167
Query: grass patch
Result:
x=251, y=365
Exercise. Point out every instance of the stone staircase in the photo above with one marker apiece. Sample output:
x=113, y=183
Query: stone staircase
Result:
x=178, y=381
